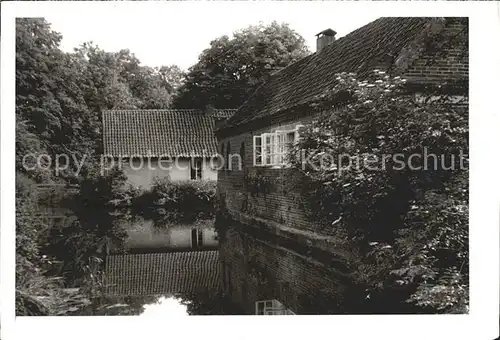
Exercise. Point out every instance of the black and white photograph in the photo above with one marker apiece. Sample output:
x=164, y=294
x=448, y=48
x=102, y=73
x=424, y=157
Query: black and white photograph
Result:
x=248, y=162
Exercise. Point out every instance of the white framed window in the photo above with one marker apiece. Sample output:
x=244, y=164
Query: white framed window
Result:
x=271, y=149
x=271, y=307
x=257, y=150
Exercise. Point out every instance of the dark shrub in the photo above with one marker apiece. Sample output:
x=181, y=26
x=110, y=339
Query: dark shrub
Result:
x=178, y=202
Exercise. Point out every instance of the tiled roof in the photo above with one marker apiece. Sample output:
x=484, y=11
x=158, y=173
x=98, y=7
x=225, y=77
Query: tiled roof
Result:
x=369, y=47
x=160, y=132
x=222, y=113
x=162, y=273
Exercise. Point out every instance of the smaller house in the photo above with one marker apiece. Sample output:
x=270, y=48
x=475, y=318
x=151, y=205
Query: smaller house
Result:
x=150, y=144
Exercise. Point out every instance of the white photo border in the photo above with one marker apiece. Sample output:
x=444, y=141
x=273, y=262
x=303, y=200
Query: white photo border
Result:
x=483, y=319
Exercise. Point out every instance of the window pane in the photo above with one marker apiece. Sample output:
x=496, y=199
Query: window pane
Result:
x=257, y=150
x=227, y=160
x=198, y=168
x=194, y=240
x=269, y=149
x=268, y=159
x=258, y=155
x=200, y=238
x=259, y=308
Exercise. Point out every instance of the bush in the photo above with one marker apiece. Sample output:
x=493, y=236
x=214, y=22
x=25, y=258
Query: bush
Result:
x=178, y=202
x=28, y=225
x=94, y=222
x=407, y=226
x=36, y=292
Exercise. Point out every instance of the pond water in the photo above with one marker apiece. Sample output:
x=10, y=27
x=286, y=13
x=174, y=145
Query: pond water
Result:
x=166, y=271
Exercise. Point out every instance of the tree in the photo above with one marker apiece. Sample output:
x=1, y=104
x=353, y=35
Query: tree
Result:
x=229, y=71
x=368, y=183
x=59, y=100
x=154, y=87
x=93, y=222
x=60, y=96
x=119, y=81
x=51, y=112
x=37, y=55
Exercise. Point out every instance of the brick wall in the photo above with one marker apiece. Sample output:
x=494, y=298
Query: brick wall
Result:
x=451, y=63
x=282, y=203
x=258, y=265
x=255, y=268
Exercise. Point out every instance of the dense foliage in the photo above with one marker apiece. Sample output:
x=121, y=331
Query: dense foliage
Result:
x=118, y=81
x=93, y=222
x=372, y=180
x=60, y=96
x=230, y=70
x=59, y=99
x=36, y=292
x=178, y=202
x=56, y=253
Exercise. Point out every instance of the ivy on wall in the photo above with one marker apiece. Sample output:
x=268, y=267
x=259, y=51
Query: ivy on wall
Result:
x=256, y=183
x=406, y=225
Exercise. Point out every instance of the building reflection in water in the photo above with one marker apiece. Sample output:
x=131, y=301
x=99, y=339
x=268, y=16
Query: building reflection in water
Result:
x=165, y=306
x=173, y=270
x=150, y=236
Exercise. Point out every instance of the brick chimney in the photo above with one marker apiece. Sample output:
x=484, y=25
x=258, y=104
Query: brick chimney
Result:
x=324, y=38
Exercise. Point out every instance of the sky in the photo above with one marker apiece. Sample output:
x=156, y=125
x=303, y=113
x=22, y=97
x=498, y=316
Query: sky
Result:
x=177, y=32
x=165, y=307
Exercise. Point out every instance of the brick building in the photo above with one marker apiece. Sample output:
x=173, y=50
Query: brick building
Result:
x=268, y=249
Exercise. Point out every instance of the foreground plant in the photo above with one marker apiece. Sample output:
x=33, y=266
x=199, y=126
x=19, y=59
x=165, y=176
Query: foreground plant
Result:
x=370, y=181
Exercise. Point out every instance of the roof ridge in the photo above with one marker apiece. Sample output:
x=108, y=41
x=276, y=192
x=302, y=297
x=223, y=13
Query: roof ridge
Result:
x=150, y=110
x=326, y=47
x=367, y=47
x=156, y=132
x=278, y=72
x=165, y=253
